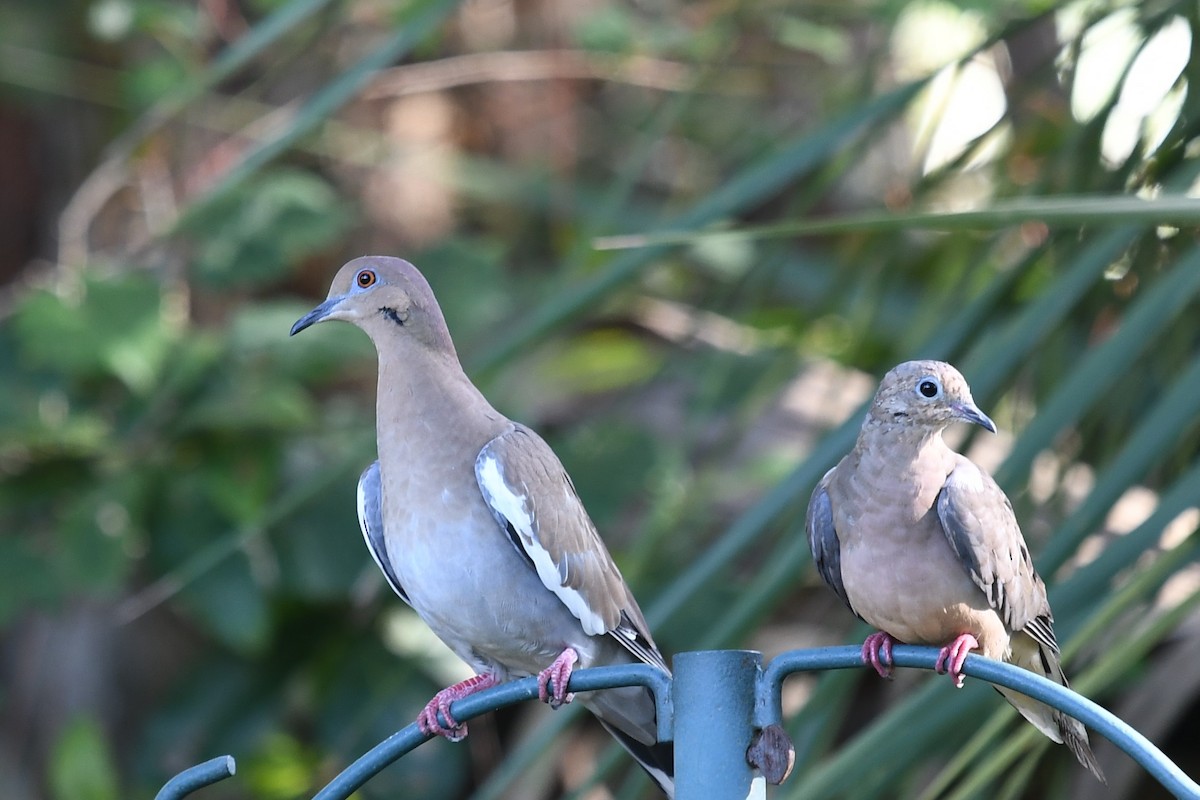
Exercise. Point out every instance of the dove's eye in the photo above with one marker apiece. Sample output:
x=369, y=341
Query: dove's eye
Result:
x=365, y=279
x=929, y=388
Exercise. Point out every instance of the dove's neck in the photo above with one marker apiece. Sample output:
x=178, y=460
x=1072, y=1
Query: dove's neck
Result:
x=426, y=404
x=900, y=442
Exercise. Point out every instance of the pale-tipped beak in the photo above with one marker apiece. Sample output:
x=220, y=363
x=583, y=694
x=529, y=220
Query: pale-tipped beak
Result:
x=969, y=412
x=316, y=315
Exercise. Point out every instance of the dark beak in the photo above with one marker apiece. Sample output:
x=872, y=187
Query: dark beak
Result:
x=316, y=315
x=969, y=412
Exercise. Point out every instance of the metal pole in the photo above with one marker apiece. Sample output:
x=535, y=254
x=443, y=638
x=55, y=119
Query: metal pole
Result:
x=719, y=729
x=197, y=777
x=713, y=695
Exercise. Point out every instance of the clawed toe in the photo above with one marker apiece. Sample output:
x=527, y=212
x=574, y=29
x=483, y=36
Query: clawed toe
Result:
x=429, y=724
x=558, y=674
x=453, y=730
x=877, y=652
x=951, y=657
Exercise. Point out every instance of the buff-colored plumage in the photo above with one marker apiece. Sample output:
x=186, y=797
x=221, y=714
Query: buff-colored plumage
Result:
x=476, y=525
x=924, y=545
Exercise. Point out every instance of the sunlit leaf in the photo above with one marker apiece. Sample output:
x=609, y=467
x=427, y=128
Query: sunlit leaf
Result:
x=82, y=766
x=113, y=326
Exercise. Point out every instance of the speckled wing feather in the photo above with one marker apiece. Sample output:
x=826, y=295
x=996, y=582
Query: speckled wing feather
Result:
x=981, y=527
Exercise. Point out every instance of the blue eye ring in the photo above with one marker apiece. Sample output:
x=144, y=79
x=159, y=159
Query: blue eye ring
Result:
x=929, y=387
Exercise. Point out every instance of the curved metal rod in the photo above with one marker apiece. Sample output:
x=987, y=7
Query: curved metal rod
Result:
x=585, y=680
x=767, y=712
x=1104, y=722
x=197, y=777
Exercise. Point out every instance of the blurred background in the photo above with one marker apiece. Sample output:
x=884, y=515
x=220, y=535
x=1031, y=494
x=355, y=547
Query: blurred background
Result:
x=181, y=573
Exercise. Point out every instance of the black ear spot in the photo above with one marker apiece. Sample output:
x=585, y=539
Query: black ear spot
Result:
x=394, y=316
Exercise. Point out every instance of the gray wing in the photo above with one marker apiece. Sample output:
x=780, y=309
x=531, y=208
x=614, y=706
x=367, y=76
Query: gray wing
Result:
x=982, y=529
x=370, y=521
x=535, y=503
x=823, y=539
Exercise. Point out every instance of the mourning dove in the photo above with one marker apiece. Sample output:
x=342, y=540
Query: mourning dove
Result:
x=476, y=525
x=924, y=545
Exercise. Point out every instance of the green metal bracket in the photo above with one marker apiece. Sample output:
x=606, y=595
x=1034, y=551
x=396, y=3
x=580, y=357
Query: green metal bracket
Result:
x=716, y=709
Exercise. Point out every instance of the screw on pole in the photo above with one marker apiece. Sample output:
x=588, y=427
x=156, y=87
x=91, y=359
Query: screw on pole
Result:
x=713, y=694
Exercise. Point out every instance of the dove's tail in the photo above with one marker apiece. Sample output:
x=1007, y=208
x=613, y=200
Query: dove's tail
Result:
x=628, y=714
x=1037, y=658
x=658, y=759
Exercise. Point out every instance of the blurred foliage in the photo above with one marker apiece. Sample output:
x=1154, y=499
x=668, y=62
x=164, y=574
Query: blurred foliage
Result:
x=299, y=212
x=82, y=764
x=177, y=476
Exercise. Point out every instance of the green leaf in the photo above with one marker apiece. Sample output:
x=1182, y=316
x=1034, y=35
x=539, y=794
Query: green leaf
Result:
x=608, y=28
x=231, y=604
x=95, y=538
x=319, y=547
x=367, y=693
x=600, y=361
x=255, y=234
x=81, y=765
x=247, y=401
x=468, y=277
x=27, y=578
x=240, y=482
x=1052, y=211
x=281, y=769
x=112, y=326
x=796, y=158
x=420, y=19
x=607, y=461
x=152, y=82
x=259, y=343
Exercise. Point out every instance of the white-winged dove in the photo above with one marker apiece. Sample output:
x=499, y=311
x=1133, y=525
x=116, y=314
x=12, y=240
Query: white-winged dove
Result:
x=924, y=545
x=477, y=526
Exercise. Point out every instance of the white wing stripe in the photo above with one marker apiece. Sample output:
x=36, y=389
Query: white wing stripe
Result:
x=515, y=509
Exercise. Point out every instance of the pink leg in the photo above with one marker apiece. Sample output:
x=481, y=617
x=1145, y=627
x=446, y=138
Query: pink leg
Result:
x=877, y=651
x=428, y=721
x=560, y=673
x=951, y=657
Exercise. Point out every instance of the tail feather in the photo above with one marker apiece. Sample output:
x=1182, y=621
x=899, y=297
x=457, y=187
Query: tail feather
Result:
x=658, y=759
x=1057, y=726
x=1075, y=737
x=628, y=715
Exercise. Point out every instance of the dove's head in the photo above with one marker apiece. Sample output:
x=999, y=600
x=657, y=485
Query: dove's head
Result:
x=926, y=394
x=386, y=297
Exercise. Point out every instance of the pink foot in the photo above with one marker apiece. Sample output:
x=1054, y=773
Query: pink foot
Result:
x=455, y=731
x=560, y=673
x=951, y=657
x=877, y=651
